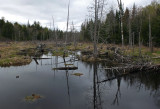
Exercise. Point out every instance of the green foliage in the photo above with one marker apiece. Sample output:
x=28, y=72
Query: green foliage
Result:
x=20, y=32
x=87, y=30
x=110, y=29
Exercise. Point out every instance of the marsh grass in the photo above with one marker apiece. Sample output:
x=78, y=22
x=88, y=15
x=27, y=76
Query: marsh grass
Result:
x=10, y=52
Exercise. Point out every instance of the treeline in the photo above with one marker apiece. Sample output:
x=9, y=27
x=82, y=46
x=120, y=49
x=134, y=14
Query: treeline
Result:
x=135, y=24
x=18, y=32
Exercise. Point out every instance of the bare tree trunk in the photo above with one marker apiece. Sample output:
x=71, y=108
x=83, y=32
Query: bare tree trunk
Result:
x=122, y=32
x=95, y=30
x=19, y=35
x=74, y=41
x=56, y=39
x=150, y=35
x=100, y=19
x=133, y=42
x=120, y=8
x=15, y=37
x=73, y=31
x=67, y=22
x=41, y=37
x=130, y=34
x=55, y=33
x=140, y=54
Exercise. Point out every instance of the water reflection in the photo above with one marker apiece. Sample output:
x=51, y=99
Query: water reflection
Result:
x=148, y=81
x=156, y=97
x=118, y=93
x=62, y=90
x=68, y=91
x=96, y=89
x=140, y=81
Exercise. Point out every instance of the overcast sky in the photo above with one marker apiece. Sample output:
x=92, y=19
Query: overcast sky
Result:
x=42, y=10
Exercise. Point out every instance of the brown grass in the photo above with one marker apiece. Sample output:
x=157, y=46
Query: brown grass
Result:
x=9, y=51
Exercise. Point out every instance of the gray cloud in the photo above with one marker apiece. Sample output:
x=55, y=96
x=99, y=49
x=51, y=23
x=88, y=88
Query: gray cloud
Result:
x=43, y=10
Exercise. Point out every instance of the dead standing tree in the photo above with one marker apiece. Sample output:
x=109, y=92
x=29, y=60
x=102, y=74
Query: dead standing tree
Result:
x=140, y=29
x=74, y=35
x=101, y=16
x=121, y=12
x=150, y=36
x=67, y=24
x=95, y=52
x=66, y=35
x=55, y=34
x=130, y=32
x=98, y=9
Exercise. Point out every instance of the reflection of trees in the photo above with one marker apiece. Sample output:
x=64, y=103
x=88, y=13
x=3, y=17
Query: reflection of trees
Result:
x=88, y=65
x=112, y=74
x=67, y=75
x=150, y=81
x=68, y=91
x=145, y=80
x=118, y=93
x=56, y=65
x=142, y=80
x=156, y=97
x=97, y=103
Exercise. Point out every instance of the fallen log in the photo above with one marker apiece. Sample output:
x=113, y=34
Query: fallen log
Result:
x=66, y=68
x=112, y=78
x=156, y=57
x=123, y=71
x=40, y=58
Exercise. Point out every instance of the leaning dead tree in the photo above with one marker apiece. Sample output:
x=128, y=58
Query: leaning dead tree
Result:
x=121, y=12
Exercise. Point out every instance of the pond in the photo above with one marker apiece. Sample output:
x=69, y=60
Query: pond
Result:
x=64, y=90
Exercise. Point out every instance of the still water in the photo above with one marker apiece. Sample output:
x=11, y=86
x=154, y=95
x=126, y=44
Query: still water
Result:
x=63, y=90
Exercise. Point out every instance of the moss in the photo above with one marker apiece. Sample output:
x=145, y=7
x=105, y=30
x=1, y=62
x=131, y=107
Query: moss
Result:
x=68, y=64
x=77, y=74
x=148, y=53
x=32, y=98
x=87, y=58
x=156, y=61
x=157, y=52
x=58, y=53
